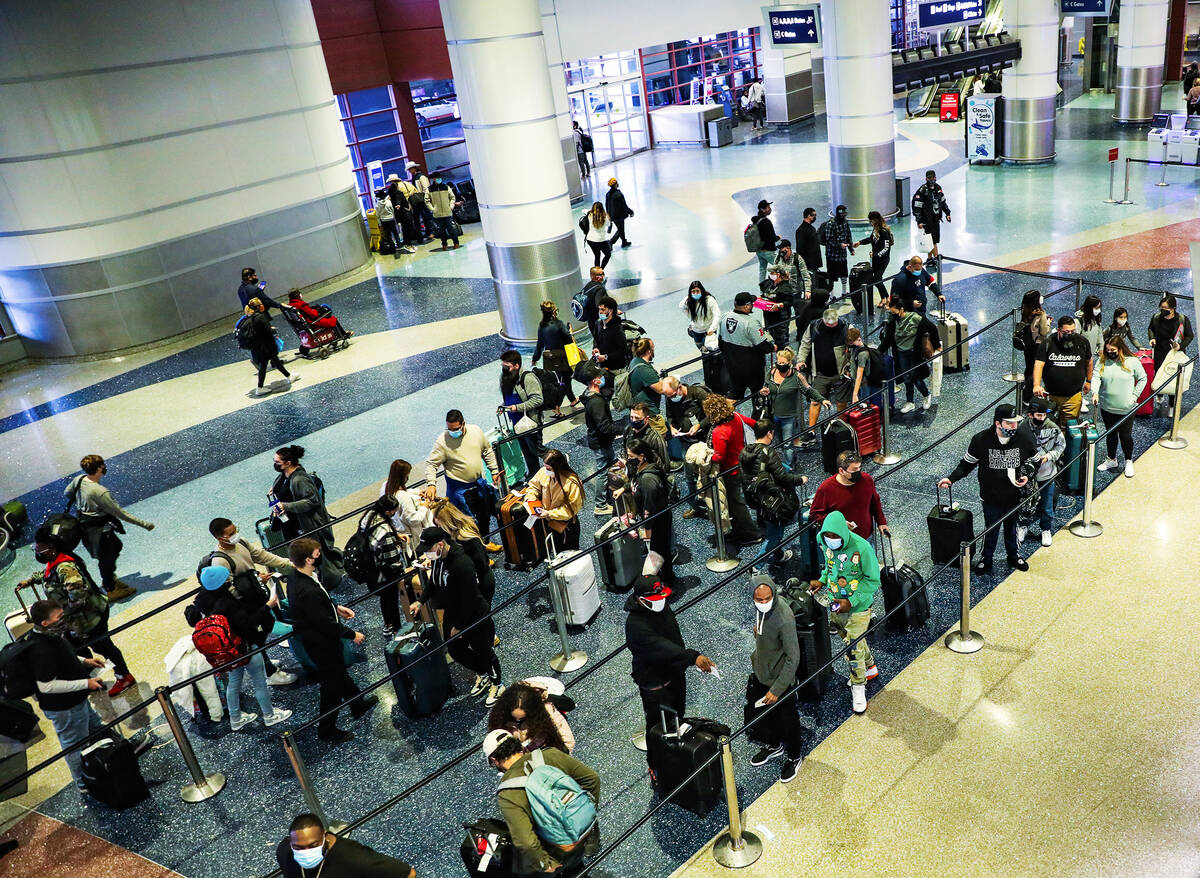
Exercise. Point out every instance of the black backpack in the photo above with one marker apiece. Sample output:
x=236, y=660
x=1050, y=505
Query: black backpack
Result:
x=585, y=141
x=359, y=560
x=876, y=369
x=777, y=503
x=243, y=333
x=553, y=392
x=16, y=671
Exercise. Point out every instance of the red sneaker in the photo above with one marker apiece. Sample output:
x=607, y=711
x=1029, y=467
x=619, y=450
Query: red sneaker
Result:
x=121, y=685
x=872, y=672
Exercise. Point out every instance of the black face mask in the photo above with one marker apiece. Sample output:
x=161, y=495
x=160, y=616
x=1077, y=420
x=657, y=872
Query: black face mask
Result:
x=854, y=477
x=1164, y=312
x=45, y=556
x=638, y=425
x=783, y=368
x=279, y=467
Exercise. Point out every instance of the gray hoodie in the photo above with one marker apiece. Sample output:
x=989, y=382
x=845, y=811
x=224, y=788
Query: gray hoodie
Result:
x=1050, y=444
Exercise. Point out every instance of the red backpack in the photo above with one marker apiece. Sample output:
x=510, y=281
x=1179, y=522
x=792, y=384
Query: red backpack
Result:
x=213, y=640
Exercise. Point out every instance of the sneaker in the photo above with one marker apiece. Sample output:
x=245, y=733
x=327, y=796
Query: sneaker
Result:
x=281, y=678
x=763, y=756
x=872, y=672
x=602, y=510
x=982, y=565
x=1110, y=463
x=906, y=408
x=788, y=554
x=243, y=721
x=278, y=715
x=120, y=591
x=691, y=513
x=409, y=248
x=494, y=693
x=858, y=698
x=479, y=687
x=1022, y=532
x=121, y=685
x=1018, y=563
x=1083, y=407
x=1129, y=469
x=1047, y=538
x=788, y=772
x=926, y=403
x=807, y=444
x=388, y=633
x=627, y=244
x=493, y=547
x=293, y=378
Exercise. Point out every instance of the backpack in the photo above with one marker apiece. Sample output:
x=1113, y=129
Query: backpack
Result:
x=16, y=675
x=751, y=236
x=580, y=302
x=622, y=397
x=585, y=141
x=358, y=557
x=775, y=501
x=583, y=223
x=562, y=812
x=319, y=485
x=876, y=368
x=213, y=640
x=243, y=333
x=553, y=392
x=245, y=584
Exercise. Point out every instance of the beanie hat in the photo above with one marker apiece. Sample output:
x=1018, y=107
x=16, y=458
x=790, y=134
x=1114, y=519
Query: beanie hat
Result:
x=213, y=577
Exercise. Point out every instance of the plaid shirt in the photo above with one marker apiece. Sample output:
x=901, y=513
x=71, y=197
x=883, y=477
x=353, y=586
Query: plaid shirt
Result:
x=386, y=545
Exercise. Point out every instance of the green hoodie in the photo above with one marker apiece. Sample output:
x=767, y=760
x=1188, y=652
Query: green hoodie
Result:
x=852, y=572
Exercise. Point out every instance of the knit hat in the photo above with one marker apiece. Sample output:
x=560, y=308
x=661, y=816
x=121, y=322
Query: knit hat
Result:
x=213, y=577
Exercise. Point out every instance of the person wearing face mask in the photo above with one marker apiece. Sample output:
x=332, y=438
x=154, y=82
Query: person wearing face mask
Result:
x=775, y=301
x=644, y=384
x=838, y=239
x=914, y=341
x=1000, y=452
x=298, y=496
x=881, y=240
x=760, y=462
x=850, y=576
x=728, y=438
x=84, y=618
x=1169, y=331
x=386, y=545
x=1120, y=327
x=522, y=393
x=824, y=355
x=591, y=294
x=1062, y=371
x=773, y=663
x=688, y=425
x=704, y=314
x=454, y=589
x=1091, y=326
x=1050, y=443
x=100, y=517
x=601, y=434
x=641, y=427
x=745, y=343
x=928, y=207
x=310, y=850
x=851, y=492
x=789, y=395
x=559, y=491
x=553, y=336
x=767, y=238
x=797, y=282
x=320, y=625
x=660, y=659
x=610, y=350
x=913, y=286
x=463, y=451
x=648, y=482
x=443, y=198
x=1120, y=383
x=1032, y=331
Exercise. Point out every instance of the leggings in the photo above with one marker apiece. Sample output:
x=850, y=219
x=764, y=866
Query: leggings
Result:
x=262, y=368
x=1123, y=432
x=601, y=249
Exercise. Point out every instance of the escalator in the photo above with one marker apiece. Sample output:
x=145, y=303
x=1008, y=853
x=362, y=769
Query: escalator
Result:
x=930, y=97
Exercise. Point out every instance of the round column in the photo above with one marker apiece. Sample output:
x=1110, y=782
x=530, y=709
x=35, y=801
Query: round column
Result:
x=860, y=118
x=1141, y=43
x=1031, y=85
x=498, y=56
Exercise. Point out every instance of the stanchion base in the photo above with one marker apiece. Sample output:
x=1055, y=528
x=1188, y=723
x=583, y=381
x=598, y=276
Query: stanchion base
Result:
x=573, y=661
x=1110, y=201
x=725, y=854
x=955, y=642
x=717, y=564
x=1162, y=184
x=639, y=741
x=887, y=459
x=1086, y=529
x=213, y=784
x=1174, y=444
x=1125, y=201
x=1014, y=377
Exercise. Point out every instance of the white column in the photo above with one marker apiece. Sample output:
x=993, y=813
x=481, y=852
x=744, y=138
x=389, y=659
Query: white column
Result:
x=1141, y=44
x=787, y=78
x=562, y=105
x=498, y=56
x=1031, y=86
x=858, y=105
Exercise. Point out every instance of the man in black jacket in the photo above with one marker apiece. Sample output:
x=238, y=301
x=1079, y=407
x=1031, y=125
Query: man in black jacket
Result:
x=660, y=660
x=453, y=587
x=609, y=347
x=253, y=288
x=595, y=291
x=309, y=850
x=766, y=236
x=808, y=243
x=649, y=484
x=687, y=425
x=928, y=207
x=317, y=621
x=601, y=433
x=618, y=211
x=759, y=458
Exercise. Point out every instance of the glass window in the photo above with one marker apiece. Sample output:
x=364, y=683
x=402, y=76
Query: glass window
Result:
x=700, y=69
x=372, y=131
x=371, y=99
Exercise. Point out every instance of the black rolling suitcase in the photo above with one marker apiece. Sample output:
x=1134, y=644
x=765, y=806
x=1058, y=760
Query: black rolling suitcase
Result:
x=812, y=630
x=838, y=436
x=111, y=775
x=716, y=378
x=673, y=756
x=488, y=848
x=949, y=528
x=860, y=281
x=423, y=687
x=898, y=581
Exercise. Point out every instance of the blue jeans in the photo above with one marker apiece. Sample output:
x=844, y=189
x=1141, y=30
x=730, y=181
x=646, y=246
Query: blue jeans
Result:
x=772, y=537
x=455, y=493
x=906, y=360
x=257, y=672
x=1046, y=504
x=787, y=429
x=765, y=258
x=72, y=726
x=605, y=457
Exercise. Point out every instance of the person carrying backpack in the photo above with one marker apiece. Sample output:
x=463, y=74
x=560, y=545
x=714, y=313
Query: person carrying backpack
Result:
x=868, y=370
x=299, y=508
x=523, y=394
x=256, y=335
x=769, y=488
x=548, y=801
x=385, y=550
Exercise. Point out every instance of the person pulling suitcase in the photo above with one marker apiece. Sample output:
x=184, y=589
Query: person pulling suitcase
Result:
x=774, y=662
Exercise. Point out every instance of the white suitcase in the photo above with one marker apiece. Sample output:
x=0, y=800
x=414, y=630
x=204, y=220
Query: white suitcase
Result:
x=573, y=576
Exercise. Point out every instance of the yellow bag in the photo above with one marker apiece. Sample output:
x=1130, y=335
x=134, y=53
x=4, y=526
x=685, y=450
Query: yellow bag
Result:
x=574, y=354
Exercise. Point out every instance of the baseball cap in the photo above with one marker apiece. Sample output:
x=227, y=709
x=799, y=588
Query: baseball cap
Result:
x=1005, y=413
x=1037, y=404
x=764, y=203
x=650, y=587
x=492, y=740
x=430, y=537
x=743, y=298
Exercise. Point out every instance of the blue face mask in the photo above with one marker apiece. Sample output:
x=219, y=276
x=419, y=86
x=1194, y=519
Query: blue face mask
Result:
x=454, y=434
x=602, y=380
x=677, y=398
x=695, y=295
x=603, y=318
x=309, y=858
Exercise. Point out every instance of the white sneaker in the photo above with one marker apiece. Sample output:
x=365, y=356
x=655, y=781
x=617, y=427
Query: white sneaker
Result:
x=1022, y=532
x=1083, y=407
x=1129, y=469
x=858, y=698
x=494, y=693
x=906, y=408
x=259, y=391
x=293, y=378
x=1047, y=538
x=277, y=716
x=281, y=678
x=788, y=554
x=480, y=686
x=246, y=719
x=1111, y=463
x=927, y=403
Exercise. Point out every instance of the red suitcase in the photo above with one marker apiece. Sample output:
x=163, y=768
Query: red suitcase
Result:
x=1146, y=399
x=865, y=421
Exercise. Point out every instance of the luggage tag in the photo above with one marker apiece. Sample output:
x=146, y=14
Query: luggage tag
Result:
x=762, y=702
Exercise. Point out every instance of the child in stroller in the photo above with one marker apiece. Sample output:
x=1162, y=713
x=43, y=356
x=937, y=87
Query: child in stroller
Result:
x=316, y=327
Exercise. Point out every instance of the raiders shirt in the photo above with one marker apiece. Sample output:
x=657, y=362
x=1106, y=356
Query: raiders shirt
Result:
x=996, y=461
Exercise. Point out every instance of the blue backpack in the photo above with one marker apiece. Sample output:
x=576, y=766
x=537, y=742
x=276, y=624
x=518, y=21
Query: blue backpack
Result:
x=562, y=812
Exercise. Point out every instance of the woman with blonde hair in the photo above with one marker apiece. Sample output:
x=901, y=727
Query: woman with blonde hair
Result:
x=256, y=328
x=881, y=241
x=465, y=532
x=559, y=490
x=1120, y=383
x=596, y=229
x=553, y=336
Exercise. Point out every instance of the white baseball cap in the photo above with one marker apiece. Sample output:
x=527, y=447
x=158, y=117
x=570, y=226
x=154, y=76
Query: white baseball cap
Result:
x=494, y=739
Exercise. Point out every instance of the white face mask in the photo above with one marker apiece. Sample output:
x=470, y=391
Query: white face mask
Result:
x=1096, y=312
x=655, y=606
x=232, y=538
x=833, y=542
x=1121, y=321
x=829, y=324
x=309, y=858
x=764, y=607
x=430, y=557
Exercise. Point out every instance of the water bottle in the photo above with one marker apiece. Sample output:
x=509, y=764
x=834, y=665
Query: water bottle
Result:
x=274, y=502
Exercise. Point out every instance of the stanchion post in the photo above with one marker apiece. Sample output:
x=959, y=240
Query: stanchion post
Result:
x=1125, y=198
x=1013, y=375
x=1112, y=174
x=1078, y=292
x=720, y=562
x=1162, y=181
x=569, y=659
x=306, y=787
x=735, y=848
x=203, y=786
x=964, y=640
x=1085, y=526
x=1174, y=441
x=886, y=456
x=1018, y=397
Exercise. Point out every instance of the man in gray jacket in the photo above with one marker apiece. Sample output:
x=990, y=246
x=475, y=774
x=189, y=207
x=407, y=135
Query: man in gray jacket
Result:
x=774, y=661
x=522, y=392
x=100, y=518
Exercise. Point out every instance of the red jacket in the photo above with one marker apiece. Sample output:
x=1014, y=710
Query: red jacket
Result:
x=858, y=502
x=728, y=440
x=312, y=315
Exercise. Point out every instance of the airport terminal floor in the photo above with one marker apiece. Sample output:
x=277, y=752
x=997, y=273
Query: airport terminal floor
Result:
x=1065, y=747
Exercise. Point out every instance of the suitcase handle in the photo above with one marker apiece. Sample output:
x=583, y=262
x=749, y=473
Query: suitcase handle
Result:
x=890, y=549
x=663, y=710
x=949, y=494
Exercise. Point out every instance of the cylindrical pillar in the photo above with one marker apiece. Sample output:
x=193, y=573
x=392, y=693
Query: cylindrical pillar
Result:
x=498, y=55
x=861, y=121
x=1141, y=41
x=1031, y=86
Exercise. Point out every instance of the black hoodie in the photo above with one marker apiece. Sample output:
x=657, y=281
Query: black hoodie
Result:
x=656, y=645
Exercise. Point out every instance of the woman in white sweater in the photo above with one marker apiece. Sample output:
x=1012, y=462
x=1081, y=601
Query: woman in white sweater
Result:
x=704, y=314
x=411, y=517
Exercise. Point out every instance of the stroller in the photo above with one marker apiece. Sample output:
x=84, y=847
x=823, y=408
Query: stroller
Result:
x=316, y=342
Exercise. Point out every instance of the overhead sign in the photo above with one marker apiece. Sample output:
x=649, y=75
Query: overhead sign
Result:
x=949, y=13
x=1085, y=7
x=793, y=25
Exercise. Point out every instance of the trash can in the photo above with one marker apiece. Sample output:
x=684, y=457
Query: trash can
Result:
x=904, y=195
x=720, y=132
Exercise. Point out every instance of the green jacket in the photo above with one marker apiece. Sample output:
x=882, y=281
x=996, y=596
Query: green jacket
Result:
x=515, y=809
x=67, y=581
x=852, y=572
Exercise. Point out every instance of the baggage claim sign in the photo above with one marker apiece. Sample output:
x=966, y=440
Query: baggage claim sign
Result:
x=949, y=13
